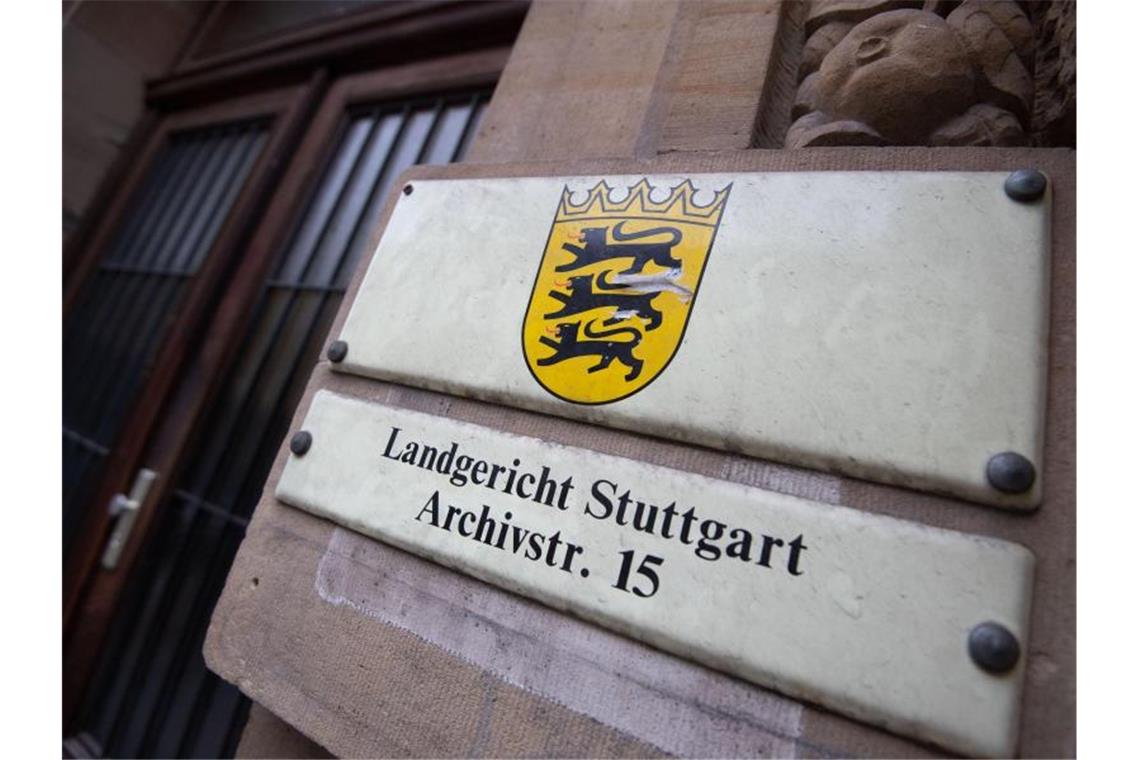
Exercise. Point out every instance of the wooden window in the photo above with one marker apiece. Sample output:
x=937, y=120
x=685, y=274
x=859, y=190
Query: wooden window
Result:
x=151, y=694
x=125, y=310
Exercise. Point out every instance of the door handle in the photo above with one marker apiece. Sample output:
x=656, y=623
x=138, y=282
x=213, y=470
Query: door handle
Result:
x=125, y=509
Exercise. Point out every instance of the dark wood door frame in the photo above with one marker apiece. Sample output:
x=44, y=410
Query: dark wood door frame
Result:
x=170, y=414
x=220, y=345
x=380, y=38
x=90, y=593
x=272, y=104
x=119, y=175
x=386, y=36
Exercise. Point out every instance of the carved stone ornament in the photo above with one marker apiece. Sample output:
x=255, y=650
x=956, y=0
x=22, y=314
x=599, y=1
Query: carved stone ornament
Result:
x=1055, y=101
x=876, y=72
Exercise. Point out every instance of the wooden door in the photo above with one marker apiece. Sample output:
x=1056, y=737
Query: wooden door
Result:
x=142, y=288
x=135, y=647
x=138, y=295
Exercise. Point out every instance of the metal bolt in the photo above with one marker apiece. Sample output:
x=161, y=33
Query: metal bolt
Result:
x=301, y=442
x=993, y=647
x=338, y=349
x=1010, y=472
x=407, y=189
x=1025, y=185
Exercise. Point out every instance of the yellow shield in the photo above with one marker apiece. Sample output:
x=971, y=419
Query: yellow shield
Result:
x=615, y=288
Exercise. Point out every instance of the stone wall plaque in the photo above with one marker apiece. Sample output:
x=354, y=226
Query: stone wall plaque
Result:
x=866, y=614
x=887, y=325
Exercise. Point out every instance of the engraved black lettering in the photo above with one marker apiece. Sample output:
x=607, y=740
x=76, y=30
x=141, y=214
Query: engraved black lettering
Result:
x=623, y=504
x=795, y=546
x=503, y=531
x=534, y=546
x=410, y=451
x=544, y=493
x=519, y=537
x=711, y=532
x=391, y=444
x=478, y=471
x=572, y=550
x=512, y=473
x=766, y=550
x=463, y=530
x=597, y=491
x=495, y=470
x=564, y=489
x=452, y=513
x=741, y=545
x=552, y=544
x=519, y=487
x=644, y=517
x=667, y=520
x=486, y=527
x=689, y=516
x=443, y=465
x=427, y=457
x=432, y=508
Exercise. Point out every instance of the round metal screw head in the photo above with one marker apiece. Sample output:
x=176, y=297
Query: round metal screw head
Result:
x=407, y=189
x=301, y=442
x=338, y=349
x=993, y=647
x=1025, y=185
x=1010, y=472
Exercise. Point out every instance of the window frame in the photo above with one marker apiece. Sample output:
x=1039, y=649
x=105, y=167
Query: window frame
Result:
x=158, y=434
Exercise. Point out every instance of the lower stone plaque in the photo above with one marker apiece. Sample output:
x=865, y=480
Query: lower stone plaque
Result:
x=898, y=624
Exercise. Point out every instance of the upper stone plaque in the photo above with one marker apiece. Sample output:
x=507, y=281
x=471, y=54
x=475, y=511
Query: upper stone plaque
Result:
x=887, y=325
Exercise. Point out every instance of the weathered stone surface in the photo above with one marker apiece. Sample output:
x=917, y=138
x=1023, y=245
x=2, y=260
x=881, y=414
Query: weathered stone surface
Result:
x=902, y=73
x=1011, y=20
x=805, y=96
x=800, y=128
x=983, y=124
x=851, y=11
x=886, y=74
x=1055, y=72
x=994, y=32
x=816, y=130
x=819, y=44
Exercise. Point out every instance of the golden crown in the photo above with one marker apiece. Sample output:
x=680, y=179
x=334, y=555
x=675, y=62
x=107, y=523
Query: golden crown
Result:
x=678, y=206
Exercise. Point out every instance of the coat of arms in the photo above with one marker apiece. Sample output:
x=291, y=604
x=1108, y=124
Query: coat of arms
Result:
x=615, y=289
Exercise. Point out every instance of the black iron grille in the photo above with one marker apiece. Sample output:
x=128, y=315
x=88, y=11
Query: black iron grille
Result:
x=152, y=694
x=131, y=299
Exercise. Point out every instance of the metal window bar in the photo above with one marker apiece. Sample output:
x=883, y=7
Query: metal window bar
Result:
x=153, y=694
x=107, y=307
x=202, y=217
x=117, y=305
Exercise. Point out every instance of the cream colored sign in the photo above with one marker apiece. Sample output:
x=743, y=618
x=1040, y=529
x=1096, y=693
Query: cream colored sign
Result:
x=890, y=326
x=865, y=614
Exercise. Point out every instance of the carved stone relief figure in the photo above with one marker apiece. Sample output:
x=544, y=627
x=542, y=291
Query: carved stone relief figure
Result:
x=876, y=72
